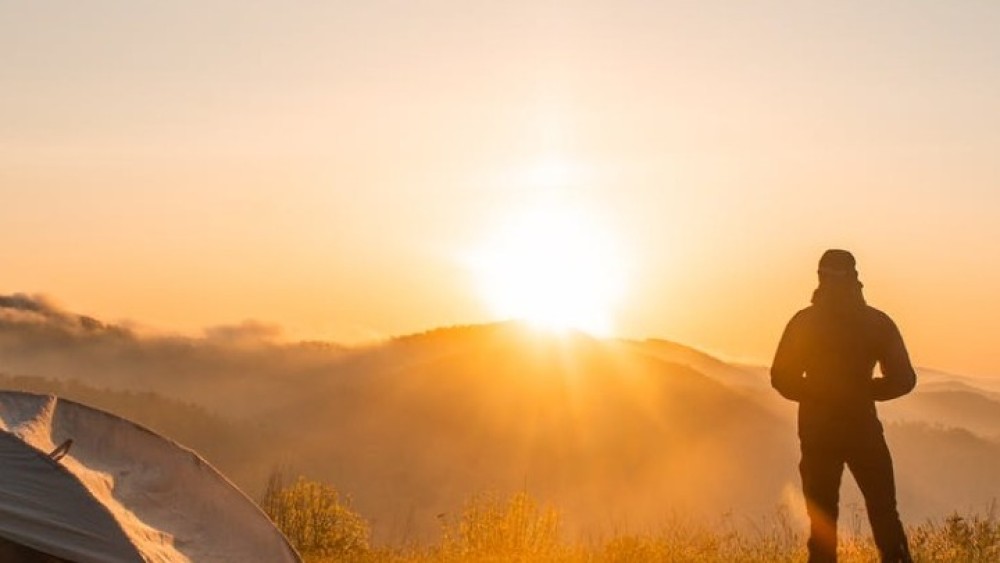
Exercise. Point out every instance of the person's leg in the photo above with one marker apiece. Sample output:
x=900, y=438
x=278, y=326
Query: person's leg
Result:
x=871, y=465
x=821, y=469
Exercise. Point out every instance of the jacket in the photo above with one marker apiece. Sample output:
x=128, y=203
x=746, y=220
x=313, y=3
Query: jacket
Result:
x=826, y=361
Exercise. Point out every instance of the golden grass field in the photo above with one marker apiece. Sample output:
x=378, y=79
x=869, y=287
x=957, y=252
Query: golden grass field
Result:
x=517, y=528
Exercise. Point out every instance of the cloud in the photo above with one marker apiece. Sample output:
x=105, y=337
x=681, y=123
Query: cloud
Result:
x=23, y=309
x=23, y=306
x=247, y=332
x=249, y=363
x=23, y=302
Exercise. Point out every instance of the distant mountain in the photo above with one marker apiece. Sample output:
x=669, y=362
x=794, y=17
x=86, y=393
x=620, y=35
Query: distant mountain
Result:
x=728, y=374
x=940, y=471
x=960, y=408
x=619, y=434
x=934, y=377
x=578, y=421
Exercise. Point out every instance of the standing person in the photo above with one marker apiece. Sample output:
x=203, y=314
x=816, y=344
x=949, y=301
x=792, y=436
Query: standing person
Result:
x=826, y=362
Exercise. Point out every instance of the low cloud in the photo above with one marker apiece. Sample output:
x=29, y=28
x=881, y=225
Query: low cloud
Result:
x=247, y=332
x=250, y=360
x=21, y=309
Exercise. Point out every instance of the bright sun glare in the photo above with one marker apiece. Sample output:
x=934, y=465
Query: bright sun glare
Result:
x=555, y=268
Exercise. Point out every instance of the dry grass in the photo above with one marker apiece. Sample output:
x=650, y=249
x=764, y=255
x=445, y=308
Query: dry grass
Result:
x=494, y=529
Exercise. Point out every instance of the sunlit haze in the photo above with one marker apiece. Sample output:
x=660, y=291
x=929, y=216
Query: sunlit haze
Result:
x=484, y=280
x=351, y=171
x=553, y=267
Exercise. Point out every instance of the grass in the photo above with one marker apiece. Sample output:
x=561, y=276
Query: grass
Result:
x=517, y=529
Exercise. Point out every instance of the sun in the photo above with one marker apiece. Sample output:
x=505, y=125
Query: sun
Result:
x=554, y=267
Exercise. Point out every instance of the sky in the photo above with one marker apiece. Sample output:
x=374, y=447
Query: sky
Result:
x=331, y=167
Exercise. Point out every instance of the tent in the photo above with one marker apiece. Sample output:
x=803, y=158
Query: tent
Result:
x=78, y=484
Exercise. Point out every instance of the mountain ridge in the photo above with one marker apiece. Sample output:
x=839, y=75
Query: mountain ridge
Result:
x=411, y=427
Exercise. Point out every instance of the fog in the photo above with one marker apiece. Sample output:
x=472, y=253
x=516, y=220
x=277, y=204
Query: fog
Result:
x=617, y=434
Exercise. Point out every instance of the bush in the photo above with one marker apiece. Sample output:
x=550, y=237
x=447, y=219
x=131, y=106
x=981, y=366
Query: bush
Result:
x=958, y=538
x=511, y=529
x=315, y=521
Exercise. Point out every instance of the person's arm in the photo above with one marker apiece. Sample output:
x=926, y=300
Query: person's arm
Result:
x=898, y=377
x=788, y=368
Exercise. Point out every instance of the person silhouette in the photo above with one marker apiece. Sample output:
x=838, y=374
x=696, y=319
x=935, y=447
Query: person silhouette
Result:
x=825, y=361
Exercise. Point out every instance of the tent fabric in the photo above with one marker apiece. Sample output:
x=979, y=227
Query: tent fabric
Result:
x=43, y=506
x=12, y=551
x=121, y=493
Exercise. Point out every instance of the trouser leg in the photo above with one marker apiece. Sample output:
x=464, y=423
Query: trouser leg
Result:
x=821, y=470
x=871, y=465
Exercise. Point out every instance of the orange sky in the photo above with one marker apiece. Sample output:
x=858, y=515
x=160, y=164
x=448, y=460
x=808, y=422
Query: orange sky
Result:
x=327, y=167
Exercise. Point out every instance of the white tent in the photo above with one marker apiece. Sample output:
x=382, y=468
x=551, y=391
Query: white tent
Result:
x=120, y=493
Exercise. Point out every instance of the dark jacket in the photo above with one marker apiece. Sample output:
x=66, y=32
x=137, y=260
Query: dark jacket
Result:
x=826, y=361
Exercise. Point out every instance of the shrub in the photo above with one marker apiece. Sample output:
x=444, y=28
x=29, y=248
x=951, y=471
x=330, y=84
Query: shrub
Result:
x=503, y=529
x=958, y=538
x=315, y=521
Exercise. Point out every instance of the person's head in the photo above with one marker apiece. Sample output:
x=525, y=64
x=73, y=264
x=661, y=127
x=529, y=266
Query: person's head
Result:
x=838, y=280
x=836, y=265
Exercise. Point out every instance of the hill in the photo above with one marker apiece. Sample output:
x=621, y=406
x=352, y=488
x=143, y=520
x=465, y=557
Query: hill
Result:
x=974, y=411
x=620, y=434
x=576, y=420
